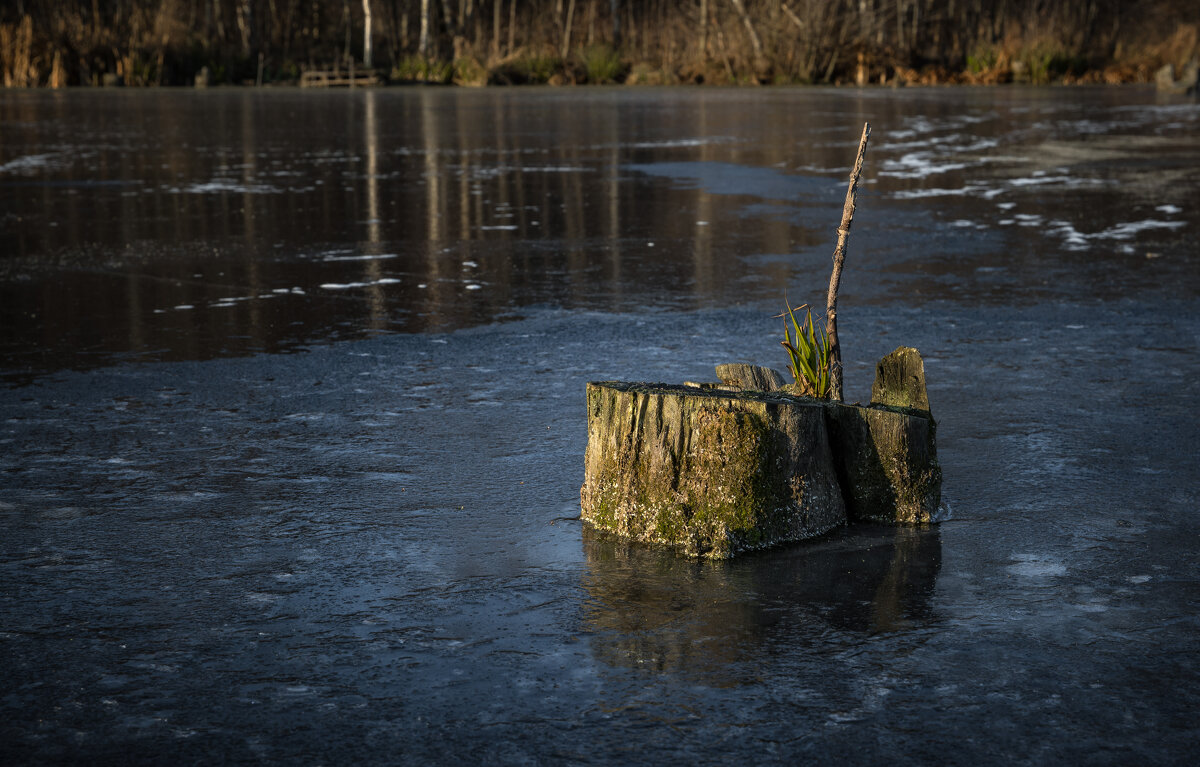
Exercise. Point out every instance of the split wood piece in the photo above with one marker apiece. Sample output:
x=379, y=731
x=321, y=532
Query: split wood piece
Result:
x=900, y=381
x=835, y=278
x=750, y=377
x=887, y=461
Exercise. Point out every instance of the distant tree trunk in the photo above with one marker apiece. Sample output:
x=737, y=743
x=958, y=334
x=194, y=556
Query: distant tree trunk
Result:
x=703, y=29
x=614, y=8
x=245, y=22
x=755, y=43
x=218, y=20
x=512, y=25
x=423, y=42
x=449, y=20
x=470, y=24
x=566, y=36
x=497, y=14
x=367, y=33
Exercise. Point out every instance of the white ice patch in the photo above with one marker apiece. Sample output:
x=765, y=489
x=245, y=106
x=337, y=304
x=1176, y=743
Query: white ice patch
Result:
x=27, y=163
x=1037, y=566
x=225, y=185
x=918, y=165
x=1072, y=238
x=499, y=228
x=683, y=142
x=495, y=171
x=370, y=257
x=943, y=513
x=1170, y=210
x=1126, y=230
x=1138, y=579
x=917, y=194
x=349, y=285
x=1038, y=180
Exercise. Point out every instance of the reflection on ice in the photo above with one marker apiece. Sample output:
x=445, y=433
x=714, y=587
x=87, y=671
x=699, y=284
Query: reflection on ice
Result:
x=656, y=611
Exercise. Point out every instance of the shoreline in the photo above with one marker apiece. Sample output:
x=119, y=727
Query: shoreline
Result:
x=962, y=80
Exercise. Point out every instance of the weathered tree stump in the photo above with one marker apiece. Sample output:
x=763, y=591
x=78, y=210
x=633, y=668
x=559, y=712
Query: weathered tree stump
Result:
x=900, y=381
x=887, y=462
x=713, y=472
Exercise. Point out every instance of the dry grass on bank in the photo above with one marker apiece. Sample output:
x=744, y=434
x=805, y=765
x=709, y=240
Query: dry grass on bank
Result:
x=652, y=42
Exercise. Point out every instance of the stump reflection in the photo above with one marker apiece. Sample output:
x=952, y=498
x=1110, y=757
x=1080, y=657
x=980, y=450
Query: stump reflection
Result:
x=653, y=610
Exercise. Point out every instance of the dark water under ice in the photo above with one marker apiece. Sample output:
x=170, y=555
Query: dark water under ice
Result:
x=292, y=425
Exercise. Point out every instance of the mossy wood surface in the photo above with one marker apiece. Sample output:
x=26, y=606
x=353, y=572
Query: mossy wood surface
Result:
x=900, y=381
x=715, y=473
x=712, y=473
x=887, y=462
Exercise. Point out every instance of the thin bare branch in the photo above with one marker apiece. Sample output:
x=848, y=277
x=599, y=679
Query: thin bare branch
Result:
x=839, y=259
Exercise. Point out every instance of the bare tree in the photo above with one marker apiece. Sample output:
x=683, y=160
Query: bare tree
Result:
x=566, y=35
x=245, y=22
x=367, y=33
x=755, y=42
x=497, y=13
x=423, y=41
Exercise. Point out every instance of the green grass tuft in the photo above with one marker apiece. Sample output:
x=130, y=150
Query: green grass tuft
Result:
x=808, y=352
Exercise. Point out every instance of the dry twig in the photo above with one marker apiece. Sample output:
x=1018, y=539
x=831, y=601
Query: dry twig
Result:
x=835, y=279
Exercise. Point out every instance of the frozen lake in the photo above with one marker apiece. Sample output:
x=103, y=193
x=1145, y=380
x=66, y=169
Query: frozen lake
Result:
x=292, y=425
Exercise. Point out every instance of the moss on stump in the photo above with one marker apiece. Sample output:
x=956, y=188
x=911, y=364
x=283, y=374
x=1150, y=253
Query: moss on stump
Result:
x=710, y=473
x=887, y=461
x=715, y=473
x=900, y=381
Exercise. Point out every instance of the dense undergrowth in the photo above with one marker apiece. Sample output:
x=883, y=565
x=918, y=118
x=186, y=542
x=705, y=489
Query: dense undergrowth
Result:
x=478, y=42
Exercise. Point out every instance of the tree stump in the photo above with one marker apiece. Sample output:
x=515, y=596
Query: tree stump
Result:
x=709, y=472
x=900, y=381
x=714, y=473
x=887, y=461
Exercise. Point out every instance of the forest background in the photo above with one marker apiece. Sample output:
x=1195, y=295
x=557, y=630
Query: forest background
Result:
x=59, y=43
